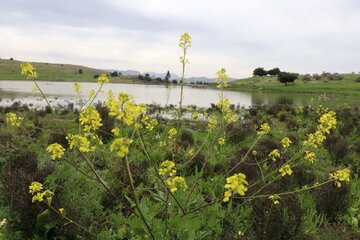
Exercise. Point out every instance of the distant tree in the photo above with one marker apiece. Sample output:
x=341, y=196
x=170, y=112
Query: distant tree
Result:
x=167, y=76
x=147, y=77
x=306, y=77
x=80, y=71
x=114, y=74
x=158, y=79
x=274, y=71
x=96, y=76
x=259, y=72
x=141, y=77
x=316, y=76
x=286, y=77
x=174, y=81
x=11, y=59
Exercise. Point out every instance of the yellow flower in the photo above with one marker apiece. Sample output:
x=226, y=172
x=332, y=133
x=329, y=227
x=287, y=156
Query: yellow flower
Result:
x=275, y=199
x=90, y=119
x=254, y=152
x=184, y=43
x=327, y=122
x=235, y=184
x=172, y=133
x=285, y=169
x=124, y=108
x=28, y=70
x=162, y=144
x=286, y=142
x=190, y=152
x=274, y=154
x=212, y=123
x=80, y=142
x=175, y=183
x=221, y=141
x=227, y=114
x=35, y=187
x=62, y=211
x=116, y=131
x=56, y=150
x=167, y=168
x=340, y=176
x=121, y=145
x=13, y=119
x=103, y=78
x=92, y=94
x=77, y=88
x=221, y=78
x=310, y=156
x=264, y=129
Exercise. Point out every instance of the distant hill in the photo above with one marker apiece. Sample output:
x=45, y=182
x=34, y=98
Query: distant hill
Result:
x=10, y=70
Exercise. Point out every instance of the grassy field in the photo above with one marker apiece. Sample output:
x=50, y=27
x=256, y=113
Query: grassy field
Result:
x=347, y=86
x=10, y=70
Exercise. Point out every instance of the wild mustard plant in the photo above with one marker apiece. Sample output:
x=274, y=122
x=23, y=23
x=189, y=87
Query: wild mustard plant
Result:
x=235, y=184
x=184, y=44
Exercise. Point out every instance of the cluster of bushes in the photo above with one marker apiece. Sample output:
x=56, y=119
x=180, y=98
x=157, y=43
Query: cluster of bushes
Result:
x=262, y=72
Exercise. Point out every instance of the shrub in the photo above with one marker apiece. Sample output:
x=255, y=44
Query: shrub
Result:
x=286, y=77
x=260, y=72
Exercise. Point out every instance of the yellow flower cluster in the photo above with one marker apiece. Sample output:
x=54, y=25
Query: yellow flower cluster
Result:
x=103, y=78
x=340, y=176
x=80, y=142
x=56, y=151
x=121, y=146
x=212, y=123
x=28, y=70
x=274, y=154
x=168, y=170
x=221, y=141
x=115, y=131
x=275, y=199
x=13, y=119
x=286, y=142
x=175, y=183
x=172, y=134
x=92, y=94
x=221, y=78
x=124, y=108
x=310, y=156
x=326, y=122
x=285, y=170
x=149, y=123
x=227, y=114
x=235, y=184
x=184, y=43
x=77, y=88
x=90, y=119
x=264, y=129
x=36, y=190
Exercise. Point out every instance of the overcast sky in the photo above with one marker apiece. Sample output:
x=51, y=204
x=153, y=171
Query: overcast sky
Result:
x=305, y=36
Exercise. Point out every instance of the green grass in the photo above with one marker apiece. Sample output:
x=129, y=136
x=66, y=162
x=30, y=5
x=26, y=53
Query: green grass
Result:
x=10, y=70
x=347, y=86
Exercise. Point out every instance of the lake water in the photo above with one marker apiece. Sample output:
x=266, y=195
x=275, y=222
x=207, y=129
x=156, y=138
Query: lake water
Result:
x=61, y=93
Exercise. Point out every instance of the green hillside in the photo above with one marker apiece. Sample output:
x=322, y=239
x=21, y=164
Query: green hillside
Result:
x=347, y=86
x=10, y=70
